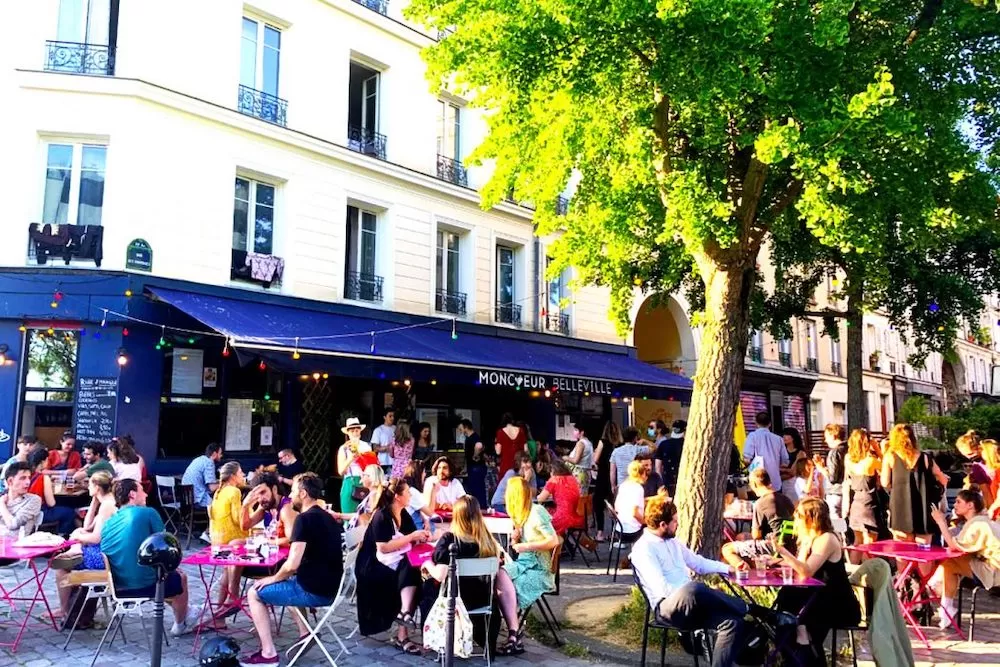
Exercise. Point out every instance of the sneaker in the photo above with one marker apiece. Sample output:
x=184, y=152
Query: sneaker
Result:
x=258, y=659
x=205, y=538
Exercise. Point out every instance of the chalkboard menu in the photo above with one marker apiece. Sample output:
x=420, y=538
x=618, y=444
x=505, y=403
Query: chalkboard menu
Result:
x=96, y=406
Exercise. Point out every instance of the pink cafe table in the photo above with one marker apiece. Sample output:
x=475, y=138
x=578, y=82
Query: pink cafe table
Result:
x=913, y=555
x=32, y=586
x=735, y=513
x=237, y=557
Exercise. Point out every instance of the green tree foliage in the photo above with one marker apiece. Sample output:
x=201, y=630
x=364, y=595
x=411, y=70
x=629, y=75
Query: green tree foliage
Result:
x=700, y=128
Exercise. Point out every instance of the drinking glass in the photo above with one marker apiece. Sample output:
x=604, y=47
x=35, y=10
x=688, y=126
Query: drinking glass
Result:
x=742, y=576
x=787, y=574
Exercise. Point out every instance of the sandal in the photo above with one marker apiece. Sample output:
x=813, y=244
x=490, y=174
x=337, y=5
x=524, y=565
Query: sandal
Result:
x=512, y=647
x=407, y=646
x=406, y=620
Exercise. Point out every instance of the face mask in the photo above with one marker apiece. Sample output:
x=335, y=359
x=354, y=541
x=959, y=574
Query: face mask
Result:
x=651, y=432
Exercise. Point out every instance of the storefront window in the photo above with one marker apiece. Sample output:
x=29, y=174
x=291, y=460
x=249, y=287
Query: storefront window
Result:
x=50, y=383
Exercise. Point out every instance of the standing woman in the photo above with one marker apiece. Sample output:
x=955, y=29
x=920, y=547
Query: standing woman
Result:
x=510, y=439
x=909, y=476
x=423, y=448
x=385, y=576
x=865, y=514
x=533, y=540
x=401, y=450
x=610, y=439
x=352, y=458
x=581, y=459
x=796, y=452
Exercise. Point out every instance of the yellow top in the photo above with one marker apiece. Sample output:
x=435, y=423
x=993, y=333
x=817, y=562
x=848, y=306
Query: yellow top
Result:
x=225, y=512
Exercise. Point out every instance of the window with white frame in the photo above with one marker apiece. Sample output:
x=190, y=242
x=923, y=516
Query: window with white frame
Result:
x=785, y=352
x=253, y=216
x=449, y=130
x=835, y=352
x=74, y=184
x=811, y=342
x=84, y=21
x=449, y=298
x=507, y=311
x=757, y=345
x=361, y=280
x=260, y=56
x=556, y=314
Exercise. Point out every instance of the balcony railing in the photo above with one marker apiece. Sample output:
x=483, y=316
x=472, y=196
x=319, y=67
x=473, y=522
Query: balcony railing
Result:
x=757, y=354
x=558, y=323
x=508, y=313
x=837, y=368
x=77, y=58
x=452, y=171
x=366, y=141
x=812, y=365
x=785, y=359
x=450, y=302
x=562, y=205
x=380, y=6
x=363, y=287
x=259, y=104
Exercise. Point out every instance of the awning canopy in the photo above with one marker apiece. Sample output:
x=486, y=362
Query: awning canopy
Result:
x=497, y=359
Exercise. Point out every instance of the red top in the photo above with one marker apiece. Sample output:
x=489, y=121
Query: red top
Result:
x=72, y=461
x=565, y=491
x=37, y=487
x=508, y=448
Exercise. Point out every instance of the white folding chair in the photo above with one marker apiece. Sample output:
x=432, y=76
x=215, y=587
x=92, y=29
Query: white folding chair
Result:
x=124, y=607
x=170, y=502
x=481, y=567
x=93, y=585
x=348, y=586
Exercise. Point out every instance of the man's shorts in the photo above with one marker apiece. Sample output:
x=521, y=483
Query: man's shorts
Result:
x=174, y=587
x=289, y=593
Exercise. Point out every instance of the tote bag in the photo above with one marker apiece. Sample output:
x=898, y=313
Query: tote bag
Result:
x=436, y=623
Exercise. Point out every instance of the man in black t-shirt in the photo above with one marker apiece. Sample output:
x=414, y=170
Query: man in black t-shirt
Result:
x=288, y=467
x=770, y=510
x=310, y=576
x=668, y=455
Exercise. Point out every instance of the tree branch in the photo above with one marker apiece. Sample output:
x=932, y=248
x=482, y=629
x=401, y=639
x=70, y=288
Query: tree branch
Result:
x=661, y=127
x=790, y=193
x=826, y=312
x=925, y=20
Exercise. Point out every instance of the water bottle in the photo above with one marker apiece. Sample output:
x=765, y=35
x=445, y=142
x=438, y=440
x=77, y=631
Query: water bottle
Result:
x=20, y=535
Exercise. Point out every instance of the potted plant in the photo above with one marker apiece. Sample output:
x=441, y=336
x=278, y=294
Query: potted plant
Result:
x=873, y=360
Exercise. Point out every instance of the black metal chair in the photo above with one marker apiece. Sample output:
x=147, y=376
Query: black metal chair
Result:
x=542, y=604
x=970, y=584
x=616, y=530
x=193, y=516
x=699, y=638
x=575, y=535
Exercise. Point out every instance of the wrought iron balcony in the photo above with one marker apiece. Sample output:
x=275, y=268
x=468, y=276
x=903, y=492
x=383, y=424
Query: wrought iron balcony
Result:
x=366, y=141
x=450, y=302
x=508, y=313
x=785, y=359
x=836, y=368
x=812, y=365
x=757, y=354
x=259, y=104
x=380, y=6
x=78, y=58
x=452, y=171
x=363, y=287
x=562, y=205
x=558, y=323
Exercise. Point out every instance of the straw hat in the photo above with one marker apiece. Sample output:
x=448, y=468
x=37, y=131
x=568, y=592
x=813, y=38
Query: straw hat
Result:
x=352, y=422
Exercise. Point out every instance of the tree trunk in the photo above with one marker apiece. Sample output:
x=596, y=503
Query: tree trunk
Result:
x=857, y=413
x=709, y=440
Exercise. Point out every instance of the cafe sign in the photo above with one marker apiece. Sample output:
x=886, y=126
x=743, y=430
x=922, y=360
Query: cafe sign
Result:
x=537, y=381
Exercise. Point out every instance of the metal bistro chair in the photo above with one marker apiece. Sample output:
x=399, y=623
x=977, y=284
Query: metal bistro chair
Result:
x=93, y=585
x=542, y=604
x=123, y=607
x=619, y=530
x=481, y=567
x=170, y=502
x=195, y=516
x=574, y=536
x=964, y=585
x=699, y=638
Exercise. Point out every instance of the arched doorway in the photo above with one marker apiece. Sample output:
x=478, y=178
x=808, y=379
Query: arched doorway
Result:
x=662, y=335
x=953, y=382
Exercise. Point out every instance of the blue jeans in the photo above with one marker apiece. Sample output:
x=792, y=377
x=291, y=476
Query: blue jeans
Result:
x=64, y=516
x=289, y=593
x=695, y=606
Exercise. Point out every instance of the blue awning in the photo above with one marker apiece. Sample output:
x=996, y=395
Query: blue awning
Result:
x=498, y=359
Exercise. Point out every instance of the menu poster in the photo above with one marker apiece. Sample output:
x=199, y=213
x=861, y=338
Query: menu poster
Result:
x=96, y=409
x=239, y=417
x=187, y=372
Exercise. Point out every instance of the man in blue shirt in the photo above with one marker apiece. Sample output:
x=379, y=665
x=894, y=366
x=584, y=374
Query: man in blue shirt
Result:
x=201, y=475
x=121, y=536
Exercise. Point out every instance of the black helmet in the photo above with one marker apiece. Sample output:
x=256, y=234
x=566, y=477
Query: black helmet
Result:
x=160, y=550
x=220, y=652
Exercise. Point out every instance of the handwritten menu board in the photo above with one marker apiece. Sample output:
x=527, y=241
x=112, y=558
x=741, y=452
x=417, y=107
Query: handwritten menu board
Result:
x=96, y=408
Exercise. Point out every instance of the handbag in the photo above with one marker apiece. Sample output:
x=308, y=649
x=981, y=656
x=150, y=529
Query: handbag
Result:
x=436, y=624
x=359, y=493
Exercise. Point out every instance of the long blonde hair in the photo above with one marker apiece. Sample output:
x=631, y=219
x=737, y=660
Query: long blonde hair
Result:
x=518, y=500
x=903, y=443
x=859, y=446
x=990, y=451
x=467, y=525
x=403, y=434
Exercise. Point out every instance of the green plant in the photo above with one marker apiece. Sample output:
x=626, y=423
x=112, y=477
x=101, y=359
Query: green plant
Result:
x=626, y=623
x=575, y=650
x=913, y=411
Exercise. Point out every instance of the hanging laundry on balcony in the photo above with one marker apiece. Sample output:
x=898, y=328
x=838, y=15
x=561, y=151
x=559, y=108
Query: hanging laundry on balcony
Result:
x=66, y=241
x=265, y=268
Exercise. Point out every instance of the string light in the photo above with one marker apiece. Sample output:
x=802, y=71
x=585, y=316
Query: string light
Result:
x=326, y=376
x=267, y=397
x=128, y=294
x=125, y=331
x=406, y=382
x=163, y=332
x=22, y=328
x=225, y=348
x=122, y=357
x=316, y=376
x=933, y=307
x=104, y=318
x=262, y=366
x=295, y=354
x=548, y=394
x=51, y=331
x=434, y=382
x=454, y=330
x=371, y=348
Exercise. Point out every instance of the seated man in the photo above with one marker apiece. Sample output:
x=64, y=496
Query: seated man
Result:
x=94, y=454
x=441, y=490
x=310, y=576
x=18, y=508
x=121, y=536
x=770, y=510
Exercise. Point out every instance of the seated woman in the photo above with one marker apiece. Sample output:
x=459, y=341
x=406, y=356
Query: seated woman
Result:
x=564, y=488
x=386, y=578
x=86, y=553
x=226, y=526
x=124, y=460
x=474, y=540
x=419, y=511
x=979, y=539
x=533, y=540
x=41, y=486
x=373, y=479
x=808, y=480
x=631, y=502
x=820, y=556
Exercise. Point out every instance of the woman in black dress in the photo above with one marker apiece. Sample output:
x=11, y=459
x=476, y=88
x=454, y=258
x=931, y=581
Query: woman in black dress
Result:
x=820, y=556
x=610, y=438
x=866, y=513
x=387, y=583
x=911, y=477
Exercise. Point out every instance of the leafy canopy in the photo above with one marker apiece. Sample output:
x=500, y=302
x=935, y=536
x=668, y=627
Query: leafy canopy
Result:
x=699, y=127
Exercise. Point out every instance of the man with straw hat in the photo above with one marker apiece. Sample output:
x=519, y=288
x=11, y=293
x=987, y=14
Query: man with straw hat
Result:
x=352, y=458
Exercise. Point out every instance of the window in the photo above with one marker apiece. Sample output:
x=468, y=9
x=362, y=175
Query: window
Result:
x=74, y=184
x=448, y=131
x=448, y=283
x=835, y=351
x=507, y=311
x=785, y=352
x=757, y=346
x=839, y=413
x=812, y=346
x=260, y=56
x=253, y=217
x=361, y=281
x=363, y=112
x=556, y=318
x=50, y=383
x=84, y=21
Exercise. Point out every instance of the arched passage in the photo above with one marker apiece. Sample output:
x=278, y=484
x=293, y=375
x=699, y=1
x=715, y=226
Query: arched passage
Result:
x=662, y=336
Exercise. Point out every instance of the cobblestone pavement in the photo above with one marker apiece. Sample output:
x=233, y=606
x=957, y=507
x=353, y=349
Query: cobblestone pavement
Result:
x=42, y=645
